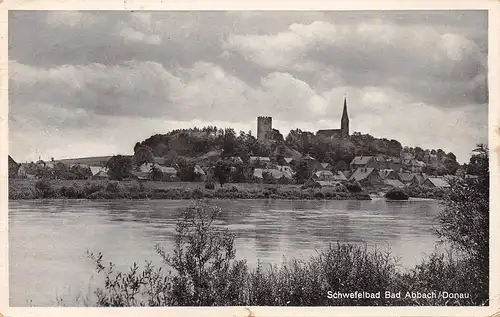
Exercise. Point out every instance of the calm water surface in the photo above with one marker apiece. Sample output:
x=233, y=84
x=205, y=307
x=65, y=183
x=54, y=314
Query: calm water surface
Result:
x=48, y=239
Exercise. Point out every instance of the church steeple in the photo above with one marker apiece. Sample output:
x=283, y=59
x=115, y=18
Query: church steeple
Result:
x=344, y=123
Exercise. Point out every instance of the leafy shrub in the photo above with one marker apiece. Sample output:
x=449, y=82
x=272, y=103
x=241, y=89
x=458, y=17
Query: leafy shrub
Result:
x=92, y=187
x=197, y=193
x=354, y=187
x=136, y=187
x=102, y=194
x=72, y=191
x=319, y=195
x=209, y=185
x=113, y=187
x=44, y=188
x=187, y=193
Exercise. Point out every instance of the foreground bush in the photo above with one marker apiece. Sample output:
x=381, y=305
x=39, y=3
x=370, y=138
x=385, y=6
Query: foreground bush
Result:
x=206, y=272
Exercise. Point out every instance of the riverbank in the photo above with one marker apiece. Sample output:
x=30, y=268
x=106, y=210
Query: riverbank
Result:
x=95, y=189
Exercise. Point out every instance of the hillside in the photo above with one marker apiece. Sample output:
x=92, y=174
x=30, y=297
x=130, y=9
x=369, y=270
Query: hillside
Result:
x=211, y=144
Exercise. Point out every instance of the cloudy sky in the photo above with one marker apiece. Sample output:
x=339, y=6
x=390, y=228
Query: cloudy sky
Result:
x=95, y=82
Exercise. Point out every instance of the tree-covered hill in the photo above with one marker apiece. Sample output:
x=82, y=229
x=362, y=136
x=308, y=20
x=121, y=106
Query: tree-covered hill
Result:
x=203, y=143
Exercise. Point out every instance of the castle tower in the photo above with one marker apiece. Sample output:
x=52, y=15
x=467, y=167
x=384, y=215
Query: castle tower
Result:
x=264, y=128
x=344, y=122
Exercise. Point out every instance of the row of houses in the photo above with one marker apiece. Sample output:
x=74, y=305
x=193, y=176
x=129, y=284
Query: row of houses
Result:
x=385, y=162
x=369, y=171
x=379, y=162
x=376, y=178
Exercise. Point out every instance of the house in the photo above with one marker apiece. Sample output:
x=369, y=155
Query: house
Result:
x=389, y=174
x=394, y=163
x=13, y=168
x=275, y=173
x=329, y=176
x=169, y=173
x=418, y=180
x=347, y=173
x=94, y=170
x=288, y=160
x=260, y=161
x=286, y=170
x=436, y=182
x=200, y=172
x=406, y=177
x=102, y=174
x=83, y=171
x=26, y=170
x=159, y=160
x=236, y=160
x=142, y=176
x=258, y=173
x=415, y=166
x=312, y=162
x=364, y=162
x=367, y=176
x=323, y=175
x=210, y=157
x=326, y=166
x=469, y=176
x=394, y=183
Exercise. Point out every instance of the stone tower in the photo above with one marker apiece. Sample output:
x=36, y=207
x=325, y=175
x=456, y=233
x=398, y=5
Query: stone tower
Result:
x=264, y=128
x=344, y=122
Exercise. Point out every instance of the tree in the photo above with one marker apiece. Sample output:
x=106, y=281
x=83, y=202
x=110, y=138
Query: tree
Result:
x=465, y=219
x=229, y=143
x=450, y=165
x=186, y=170
x=302, y=172
x=81, y=172
x=137, y=146
x=222, y=171
x=144, y=154
x=156, y=173
x=119, y=167
x=238, y=176
x=277, y=136
x=202, y=269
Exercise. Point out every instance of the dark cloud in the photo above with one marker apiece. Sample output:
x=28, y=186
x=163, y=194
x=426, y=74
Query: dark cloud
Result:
x=79, y=70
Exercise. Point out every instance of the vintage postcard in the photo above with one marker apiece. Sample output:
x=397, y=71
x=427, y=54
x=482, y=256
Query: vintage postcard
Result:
x=249, y=159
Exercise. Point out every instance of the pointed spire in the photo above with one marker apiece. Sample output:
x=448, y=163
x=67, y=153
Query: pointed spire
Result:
x=344, y=113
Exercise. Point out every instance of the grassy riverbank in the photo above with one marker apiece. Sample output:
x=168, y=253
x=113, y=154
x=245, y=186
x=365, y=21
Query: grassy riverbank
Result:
x=95, y=189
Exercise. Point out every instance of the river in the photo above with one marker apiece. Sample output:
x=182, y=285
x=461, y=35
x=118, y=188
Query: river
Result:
x=48, y=239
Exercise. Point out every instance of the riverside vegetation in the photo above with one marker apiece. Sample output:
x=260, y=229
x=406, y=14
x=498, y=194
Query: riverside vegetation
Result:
x=202, y=269
x=49, y=189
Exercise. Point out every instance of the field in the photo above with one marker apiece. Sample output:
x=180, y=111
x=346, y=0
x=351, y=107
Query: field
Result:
x=96, y=160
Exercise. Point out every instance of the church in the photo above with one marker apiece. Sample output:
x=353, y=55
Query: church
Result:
x=341, y=133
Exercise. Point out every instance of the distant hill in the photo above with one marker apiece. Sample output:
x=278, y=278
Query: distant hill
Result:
x=95, y=160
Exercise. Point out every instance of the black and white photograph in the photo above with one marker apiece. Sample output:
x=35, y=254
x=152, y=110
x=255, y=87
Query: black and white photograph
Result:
x=251, y=158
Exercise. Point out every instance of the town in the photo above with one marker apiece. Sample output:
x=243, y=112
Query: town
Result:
x=213, y=155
